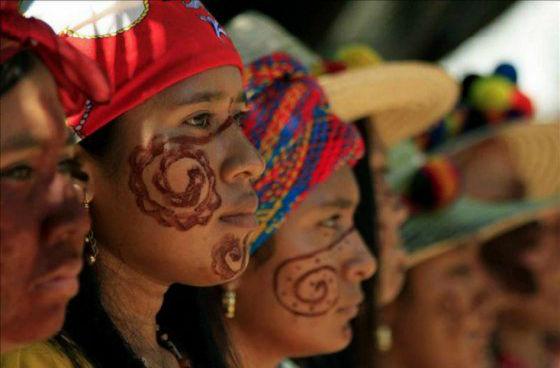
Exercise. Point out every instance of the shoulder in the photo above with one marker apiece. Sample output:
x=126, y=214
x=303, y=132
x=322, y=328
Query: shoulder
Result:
x=38, y=355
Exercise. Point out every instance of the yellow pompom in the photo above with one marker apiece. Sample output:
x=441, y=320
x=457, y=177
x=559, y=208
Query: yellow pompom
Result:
x=358, y=55
x=492, y=93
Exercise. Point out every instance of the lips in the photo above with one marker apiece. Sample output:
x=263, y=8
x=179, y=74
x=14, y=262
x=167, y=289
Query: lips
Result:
x=244, y=215
x=243, y=220
x=61, y=282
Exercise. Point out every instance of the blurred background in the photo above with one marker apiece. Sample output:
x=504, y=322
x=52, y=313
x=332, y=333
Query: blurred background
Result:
x=463, y=36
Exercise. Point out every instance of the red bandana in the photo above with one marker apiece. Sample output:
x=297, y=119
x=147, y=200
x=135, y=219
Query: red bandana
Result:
x=77, y=77
x=144, y=46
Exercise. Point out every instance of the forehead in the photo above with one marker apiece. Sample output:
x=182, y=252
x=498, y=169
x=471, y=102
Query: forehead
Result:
x=31, y=113
x=340, y=189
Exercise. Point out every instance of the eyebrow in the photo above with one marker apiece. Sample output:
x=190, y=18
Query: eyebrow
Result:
x=207, y=96
x=342, y=203
x=20, y=142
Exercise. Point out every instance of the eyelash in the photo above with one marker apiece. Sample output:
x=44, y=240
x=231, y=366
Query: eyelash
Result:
x=332, y=222
x=19, y=172
x=22, y=172
x=204, y=115
x=238, y=118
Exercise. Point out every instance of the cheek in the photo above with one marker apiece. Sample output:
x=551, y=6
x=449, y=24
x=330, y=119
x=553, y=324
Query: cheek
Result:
x=308, y=285
x=229, y=257
x=174, y=183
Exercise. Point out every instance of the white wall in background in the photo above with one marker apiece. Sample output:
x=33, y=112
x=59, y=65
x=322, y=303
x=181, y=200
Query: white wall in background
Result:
x=528, y=35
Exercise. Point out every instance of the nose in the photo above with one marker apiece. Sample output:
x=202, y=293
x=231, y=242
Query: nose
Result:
x=361, y=265
x=244, y=161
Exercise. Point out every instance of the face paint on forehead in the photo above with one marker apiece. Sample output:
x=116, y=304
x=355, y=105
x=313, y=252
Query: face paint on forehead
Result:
x=190, y=202
x=229, y=257
x=307, y=285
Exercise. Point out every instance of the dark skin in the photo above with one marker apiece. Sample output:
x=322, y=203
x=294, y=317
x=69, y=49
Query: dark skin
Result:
x=181, y=138
x=42, y=222
x=391, y=214
x=445, y=316
x=309, y=288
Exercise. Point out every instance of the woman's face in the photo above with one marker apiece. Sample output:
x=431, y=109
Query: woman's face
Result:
x=301, y=300
x=178, y=205
x=391, y=215
x=42, y=223
x=541, y=309
x=445, y=317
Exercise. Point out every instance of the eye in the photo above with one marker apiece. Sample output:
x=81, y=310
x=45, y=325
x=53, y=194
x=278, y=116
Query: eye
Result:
x=200, y=121
x=19, y=172
x=73, y=168
x=239, y=118
x=331, y=222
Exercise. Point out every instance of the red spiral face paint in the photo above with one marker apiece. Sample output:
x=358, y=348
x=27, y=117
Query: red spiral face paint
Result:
x=182, y=206
x=307, y=285
x=229, y=257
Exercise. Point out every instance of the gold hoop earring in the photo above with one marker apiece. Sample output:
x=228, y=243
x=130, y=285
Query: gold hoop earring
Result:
x=91, y=250
x=384, y=336
x=228, y=302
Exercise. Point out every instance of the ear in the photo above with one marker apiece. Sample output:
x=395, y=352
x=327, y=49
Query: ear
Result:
x=87, y=185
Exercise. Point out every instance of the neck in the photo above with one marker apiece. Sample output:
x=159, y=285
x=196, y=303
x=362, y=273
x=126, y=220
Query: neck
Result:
x=132, y=300
x=523, y=343
x=252, y=349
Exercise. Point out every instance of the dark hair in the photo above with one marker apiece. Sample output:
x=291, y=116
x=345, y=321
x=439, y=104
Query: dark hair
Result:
x=187, y=313
x=502, y=256
x=14, y=69
x=360, y=352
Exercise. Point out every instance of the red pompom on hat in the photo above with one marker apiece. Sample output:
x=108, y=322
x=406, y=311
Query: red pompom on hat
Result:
x=78, y=78
x=144, y=46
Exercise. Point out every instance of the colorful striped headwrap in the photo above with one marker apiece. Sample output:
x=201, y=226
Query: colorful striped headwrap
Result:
x=299, y=138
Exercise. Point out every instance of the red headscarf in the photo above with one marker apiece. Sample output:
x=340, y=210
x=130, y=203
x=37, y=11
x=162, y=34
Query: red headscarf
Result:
x=77, y=77
x=144, y=46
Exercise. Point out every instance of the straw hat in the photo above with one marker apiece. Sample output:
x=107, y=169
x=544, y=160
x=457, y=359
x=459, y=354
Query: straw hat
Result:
x=402, y=98
x=532, y=152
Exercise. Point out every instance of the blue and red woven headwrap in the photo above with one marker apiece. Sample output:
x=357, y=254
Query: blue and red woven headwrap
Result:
x=299, y=138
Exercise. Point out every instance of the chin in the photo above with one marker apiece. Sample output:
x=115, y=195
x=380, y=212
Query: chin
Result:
x=39, y=324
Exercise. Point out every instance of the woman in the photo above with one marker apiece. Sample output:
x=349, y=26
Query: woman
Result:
x=446, y=312
x=42, y=222
x=171, y=170
x=525, y=264
x=309, y=260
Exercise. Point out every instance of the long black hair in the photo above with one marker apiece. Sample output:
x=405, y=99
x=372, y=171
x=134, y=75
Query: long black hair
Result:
x=188, y=314
x=14, y=69
x=360, y=352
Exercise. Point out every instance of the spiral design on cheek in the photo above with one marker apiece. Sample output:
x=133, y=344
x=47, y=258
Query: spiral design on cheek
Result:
x=306, y=293
x=196, y=199
x=308, y=285
x=229, y=257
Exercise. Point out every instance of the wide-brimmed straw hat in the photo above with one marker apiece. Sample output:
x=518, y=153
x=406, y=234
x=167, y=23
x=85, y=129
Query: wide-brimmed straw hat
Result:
x=532, y=149
x=402, y=98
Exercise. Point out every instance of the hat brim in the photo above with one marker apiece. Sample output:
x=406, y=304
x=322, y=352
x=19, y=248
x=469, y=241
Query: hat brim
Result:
x=402, y=98
x=468, y=221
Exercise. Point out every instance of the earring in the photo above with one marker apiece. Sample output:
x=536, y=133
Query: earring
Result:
x=384, y=336
x=91, y=250
x=228, y=302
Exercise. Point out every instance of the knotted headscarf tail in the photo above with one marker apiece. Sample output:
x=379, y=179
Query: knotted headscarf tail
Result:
x=78, y=78
x=302, y=142
x=143, y=46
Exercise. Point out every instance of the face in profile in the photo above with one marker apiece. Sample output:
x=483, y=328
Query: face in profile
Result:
x=175, y=200
x=446, y=312
x=302, y=290
x=537, y=309
x=42, y=223
x=391, y=215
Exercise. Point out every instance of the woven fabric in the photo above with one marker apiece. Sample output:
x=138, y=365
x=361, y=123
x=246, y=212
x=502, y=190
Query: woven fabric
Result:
x=300, y=139
x=144, y=46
